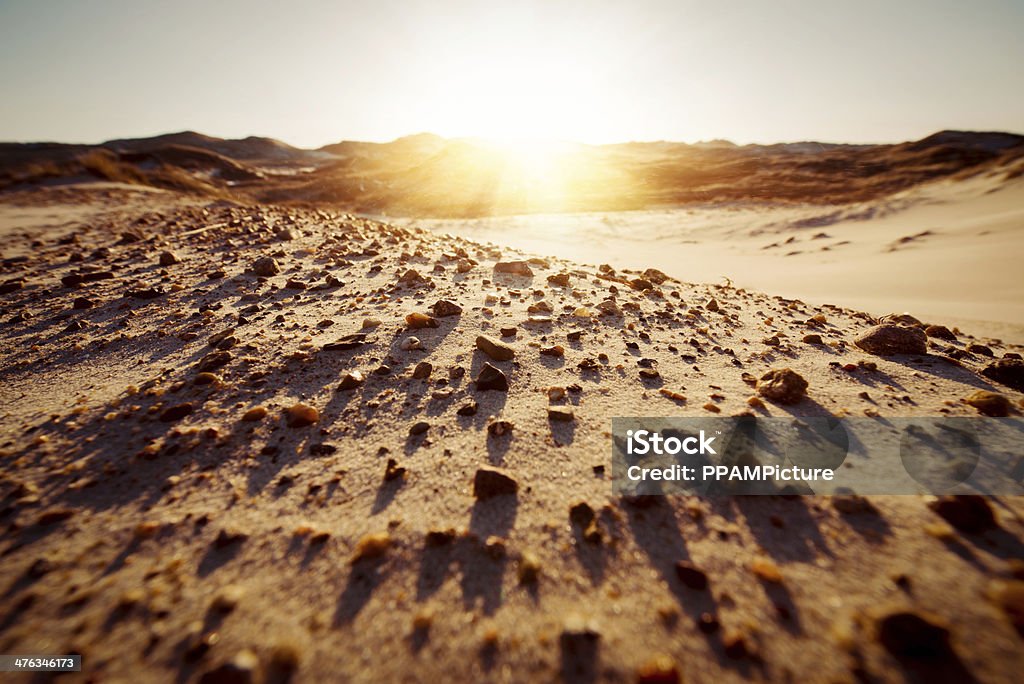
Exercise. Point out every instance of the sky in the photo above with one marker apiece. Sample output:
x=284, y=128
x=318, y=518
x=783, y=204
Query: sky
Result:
x=315, y=72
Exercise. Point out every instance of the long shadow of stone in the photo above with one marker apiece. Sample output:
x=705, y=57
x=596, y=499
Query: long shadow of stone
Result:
x=798, y=538
x=363, y=579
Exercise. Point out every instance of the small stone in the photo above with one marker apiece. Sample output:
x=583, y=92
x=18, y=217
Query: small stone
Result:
x=497, y=350
x=766, y=570
x=83, y=303
x=468, y=409
x=561, y=414
x=529, y=568
x=649, y=373
x=169, y=258
x=509, y=332
x=499, y=428
x=370, y=323
x=521, y=268
x=412, y=277
x=1009, y=372
x=347, y=342
x=420, y=320
x=213, y=361
x=266, y=267
x=660, y=669
x=940, y=332
x=239, y=670
x=559, y=279
x=254, y=414
x=207, y=379
x=227, y=599
x=557, y=351
x=990, y=404
x=489, y=483
x=888, y=339
x=301, y=415
x=294, y=284
x=712, y=305
x=445, y=307
x=393, y=471
x=491, y=378
x=411, y=343
x=422, y=370
x=227, y=538
x=980, y=349
x=969, y=513
x=691, y=576
x=419, y=428
x=175, y=413
x=641, y=284
x=351, y=380
x=464, y=266
x=813, y=338
x=373, y=545
x=782, y=385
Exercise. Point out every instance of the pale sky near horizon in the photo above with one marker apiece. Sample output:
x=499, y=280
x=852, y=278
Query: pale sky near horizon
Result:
x=315, y=72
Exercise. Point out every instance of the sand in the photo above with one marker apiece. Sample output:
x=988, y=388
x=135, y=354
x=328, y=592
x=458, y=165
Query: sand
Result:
x=944, y=250
x=157, y=524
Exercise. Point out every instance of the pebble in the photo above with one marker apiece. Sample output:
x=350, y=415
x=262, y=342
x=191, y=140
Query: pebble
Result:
x=940, y=331
x=372, y=545
x=529, y=568
x=266, y=267
x=169, y=258
x=419, y=428
x=490, y=482
x=559, y=279
x=889, y=338
x=782, y=385
x=370, y=323
x=347, y=343
x=496, y=349
x=712, y=305
x=301, y=415
x=990, y=404
x=1009, y=372
x=766, y=570
x=83, y=303
x=557, y=351
x=491, y=378
x=351, y=380
x=468, y=409
x=420, y=320
x=813, y=338
x=411, y=343
x=691, y=576
x=213, y=361
x=514, y=267
x=499, y=428
x=393, y=471
x=422, y=370
x=445, y=307
x=660, y=669
x=254, y=414
x=175, y=413
x=561, y=414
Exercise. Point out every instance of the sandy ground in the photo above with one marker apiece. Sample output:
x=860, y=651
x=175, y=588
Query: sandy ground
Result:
x=172, y=514
x=947, y=250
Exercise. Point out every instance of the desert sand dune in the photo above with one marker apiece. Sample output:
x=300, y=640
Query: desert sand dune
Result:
x=261, y=443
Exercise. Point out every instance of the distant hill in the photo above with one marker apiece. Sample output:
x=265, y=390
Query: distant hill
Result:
x=425, y=174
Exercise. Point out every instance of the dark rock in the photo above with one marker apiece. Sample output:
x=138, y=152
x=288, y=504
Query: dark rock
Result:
x=782, y=385
x=939, y=332
x=1009, y=372
x=491, y=378
x=423, y=370
x=169, y=258
x=691, y=576
x=146, y=293
x=980, y=350
x=445, y=307
x=173, y=413
x=12, y=285
x=468, y=409
x=83, y=303
x=561, y=414
x=351, y=380
x=813, y=338
x=420, y=320
x=559, y=279
x=213, y=361
x=489, y=482
x=419, y=428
